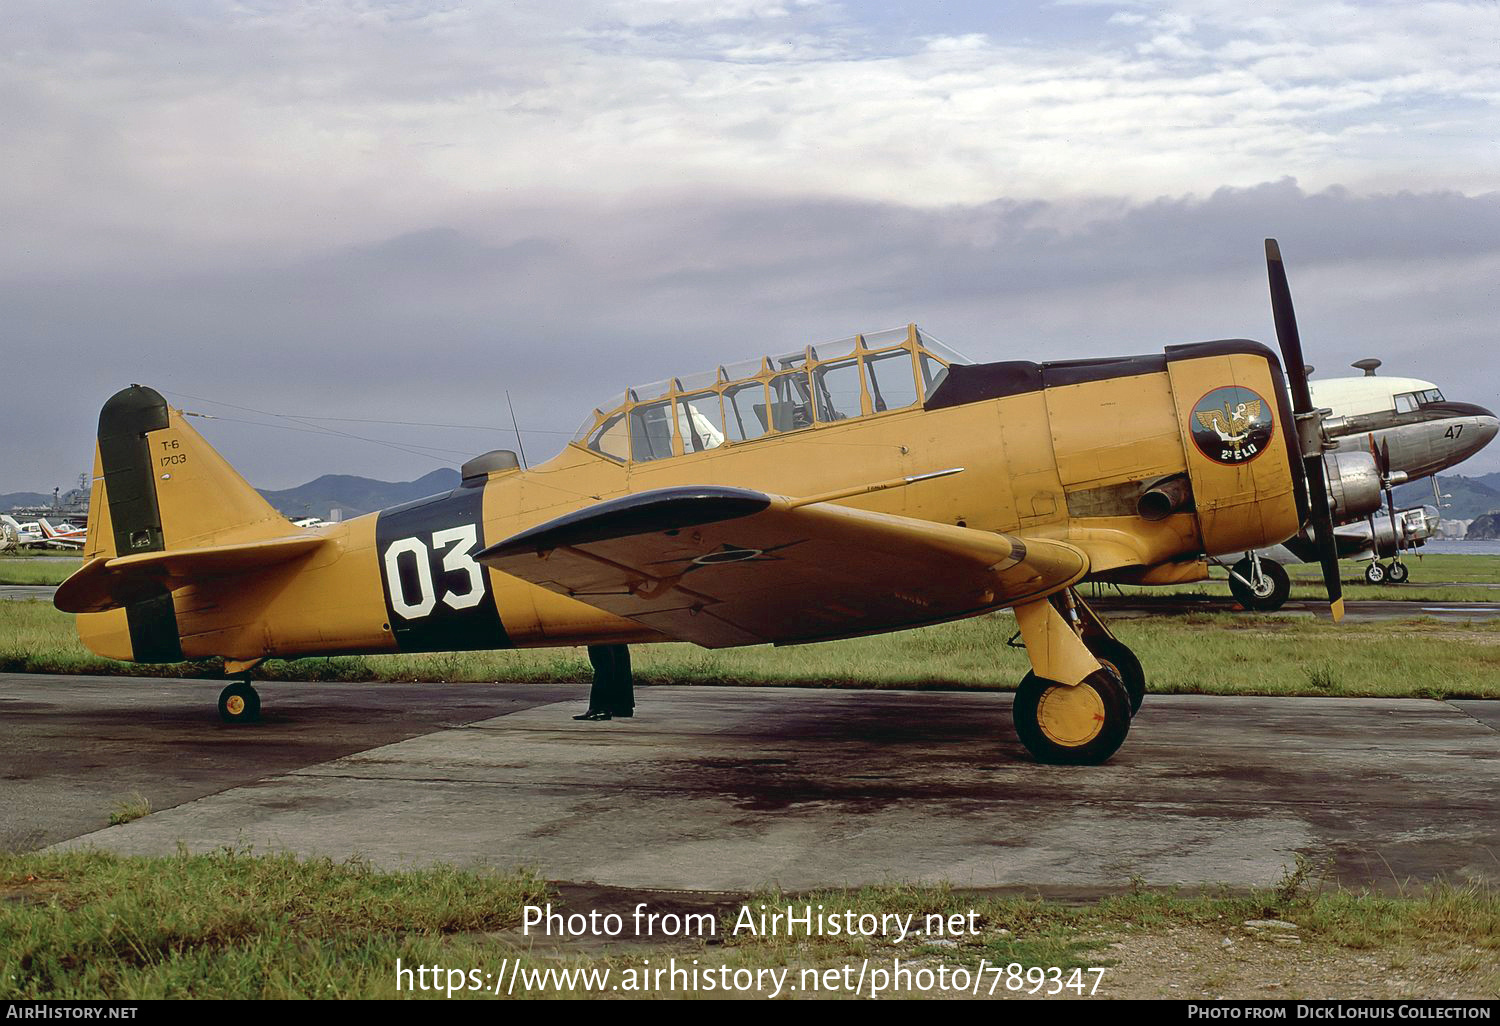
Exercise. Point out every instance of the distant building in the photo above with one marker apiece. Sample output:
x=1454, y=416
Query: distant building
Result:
x=1453, y=530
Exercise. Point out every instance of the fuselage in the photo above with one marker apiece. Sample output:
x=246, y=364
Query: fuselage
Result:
x=1424, y=432
x=1060, y=451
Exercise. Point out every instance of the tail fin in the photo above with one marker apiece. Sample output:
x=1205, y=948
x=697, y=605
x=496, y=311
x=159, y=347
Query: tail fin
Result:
x=159, y=486
x=165, y=508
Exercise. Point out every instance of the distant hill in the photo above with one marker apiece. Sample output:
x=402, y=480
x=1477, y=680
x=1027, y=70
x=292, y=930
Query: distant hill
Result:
x=1484, y=528
x=15, y=499
x=1472, y=496
x=356, y=495
x=1489, y=480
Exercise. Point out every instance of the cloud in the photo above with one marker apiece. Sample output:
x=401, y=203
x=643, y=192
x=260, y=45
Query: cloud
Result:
x=401, y=210
x=226, y=130
x=437, y=326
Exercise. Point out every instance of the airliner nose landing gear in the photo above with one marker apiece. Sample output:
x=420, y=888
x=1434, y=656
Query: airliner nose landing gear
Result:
x=1080, y=723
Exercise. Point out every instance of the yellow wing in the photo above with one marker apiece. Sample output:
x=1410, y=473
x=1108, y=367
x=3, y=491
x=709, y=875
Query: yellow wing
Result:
x=1214, y=421
x=1252, y=411
x=729, y=566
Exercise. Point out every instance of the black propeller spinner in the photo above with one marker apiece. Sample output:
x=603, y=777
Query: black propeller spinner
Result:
x=1309, y=428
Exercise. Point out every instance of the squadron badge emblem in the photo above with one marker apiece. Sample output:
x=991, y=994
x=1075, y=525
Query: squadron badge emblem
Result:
x=1231, y=425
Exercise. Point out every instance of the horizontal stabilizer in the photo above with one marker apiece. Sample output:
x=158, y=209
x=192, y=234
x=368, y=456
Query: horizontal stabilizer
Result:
x=111, y=582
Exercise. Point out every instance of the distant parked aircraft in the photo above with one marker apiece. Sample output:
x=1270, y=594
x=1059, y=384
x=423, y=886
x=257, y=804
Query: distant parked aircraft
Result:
x=14, y=535
x=1412, y=431
x=65, y=537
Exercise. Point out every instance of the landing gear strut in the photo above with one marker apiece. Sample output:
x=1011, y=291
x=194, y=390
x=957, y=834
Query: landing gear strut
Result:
x=1260, y=584
x=1082, y=723
x=239, y=703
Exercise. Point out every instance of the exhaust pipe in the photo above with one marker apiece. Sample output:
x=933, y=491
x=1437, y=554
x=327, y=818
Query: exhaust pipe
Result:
x=1165, y=497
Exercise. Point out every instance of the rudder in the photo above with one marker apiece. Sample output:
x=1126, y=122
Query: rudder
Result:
x=165, y=486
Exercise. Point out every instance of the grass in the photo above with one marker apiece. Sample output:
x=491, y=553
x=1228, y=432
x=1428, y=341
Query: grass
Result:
x=93, y=925
x=1441, y=577
x=128, y=810
x=230, y=925
x=22, y=569
x=1197, y=653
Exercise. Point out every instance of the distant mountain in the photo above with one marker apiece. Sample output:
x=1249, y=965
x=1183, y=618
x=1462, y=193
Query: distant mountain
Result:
x=1472, y=496
x=1484, y=528
x=356, y=495
x=15, y=499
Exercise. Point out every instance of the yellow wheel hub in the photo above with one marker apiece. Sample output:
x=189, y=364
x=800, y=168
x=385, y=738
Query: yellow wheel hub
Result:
x=1070, y=716
x=235, y=705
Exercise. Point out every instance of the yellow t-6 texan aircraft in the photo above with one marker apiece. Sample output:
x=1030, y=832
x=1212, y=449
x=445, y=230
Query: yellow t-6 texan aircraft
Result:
x=871, y=485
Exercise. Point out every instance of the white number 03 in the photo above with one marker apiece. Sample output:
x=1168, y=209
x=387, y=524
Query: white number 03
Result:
x=459, y=542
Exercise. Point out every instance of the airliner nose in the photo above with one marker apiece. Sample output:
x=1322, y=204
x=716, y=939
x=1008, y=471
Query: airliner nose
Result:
x=1486, y=426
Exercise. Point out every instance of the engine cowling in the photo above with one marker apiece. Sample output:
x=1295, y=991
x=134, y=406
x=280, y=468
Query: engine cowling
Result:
x=1353, y=484
x=1412, y=528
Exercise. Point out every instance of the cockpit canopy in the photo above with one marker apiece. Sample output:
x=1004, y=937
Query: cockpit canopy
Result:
x=862, y=376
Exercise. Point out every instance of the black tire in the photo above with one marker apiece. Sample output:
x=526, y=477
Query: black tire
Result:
x=1116, y=656
x=1087, y=724
x=1273, y=594
x=1397, y=573
x=239, y=703
x=1375, y=573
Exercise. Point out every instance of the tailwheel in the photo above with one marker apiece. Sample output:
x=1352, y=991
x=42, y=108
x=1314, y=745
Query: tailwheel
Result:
x=1117, y=657
x=1079, y=725
x=1397, y=572
x=1375, y=573
x=239, y=703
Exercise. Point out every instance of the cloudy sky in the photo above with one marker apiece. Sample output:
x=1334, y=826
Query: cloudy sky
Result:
x=285, y=213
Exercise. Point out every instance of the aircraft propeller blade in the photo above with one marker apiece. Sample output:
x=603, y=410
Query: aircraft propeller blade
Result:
x=1390, y=496
x=1302, y=406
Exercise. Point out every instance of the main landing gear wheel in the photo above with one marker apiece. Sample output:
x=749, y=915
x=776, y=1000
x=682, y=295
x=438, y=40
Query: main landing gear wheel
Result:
x=239, y=703
x=1115, y=656
x=1375, y=573
x=1397, y=573
x=1265, y=595
x=1081, y=725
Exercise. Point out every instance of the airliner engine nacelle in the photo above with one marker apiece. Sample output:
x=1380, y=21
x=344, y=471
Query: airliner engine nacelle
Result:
x=1353, y=484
